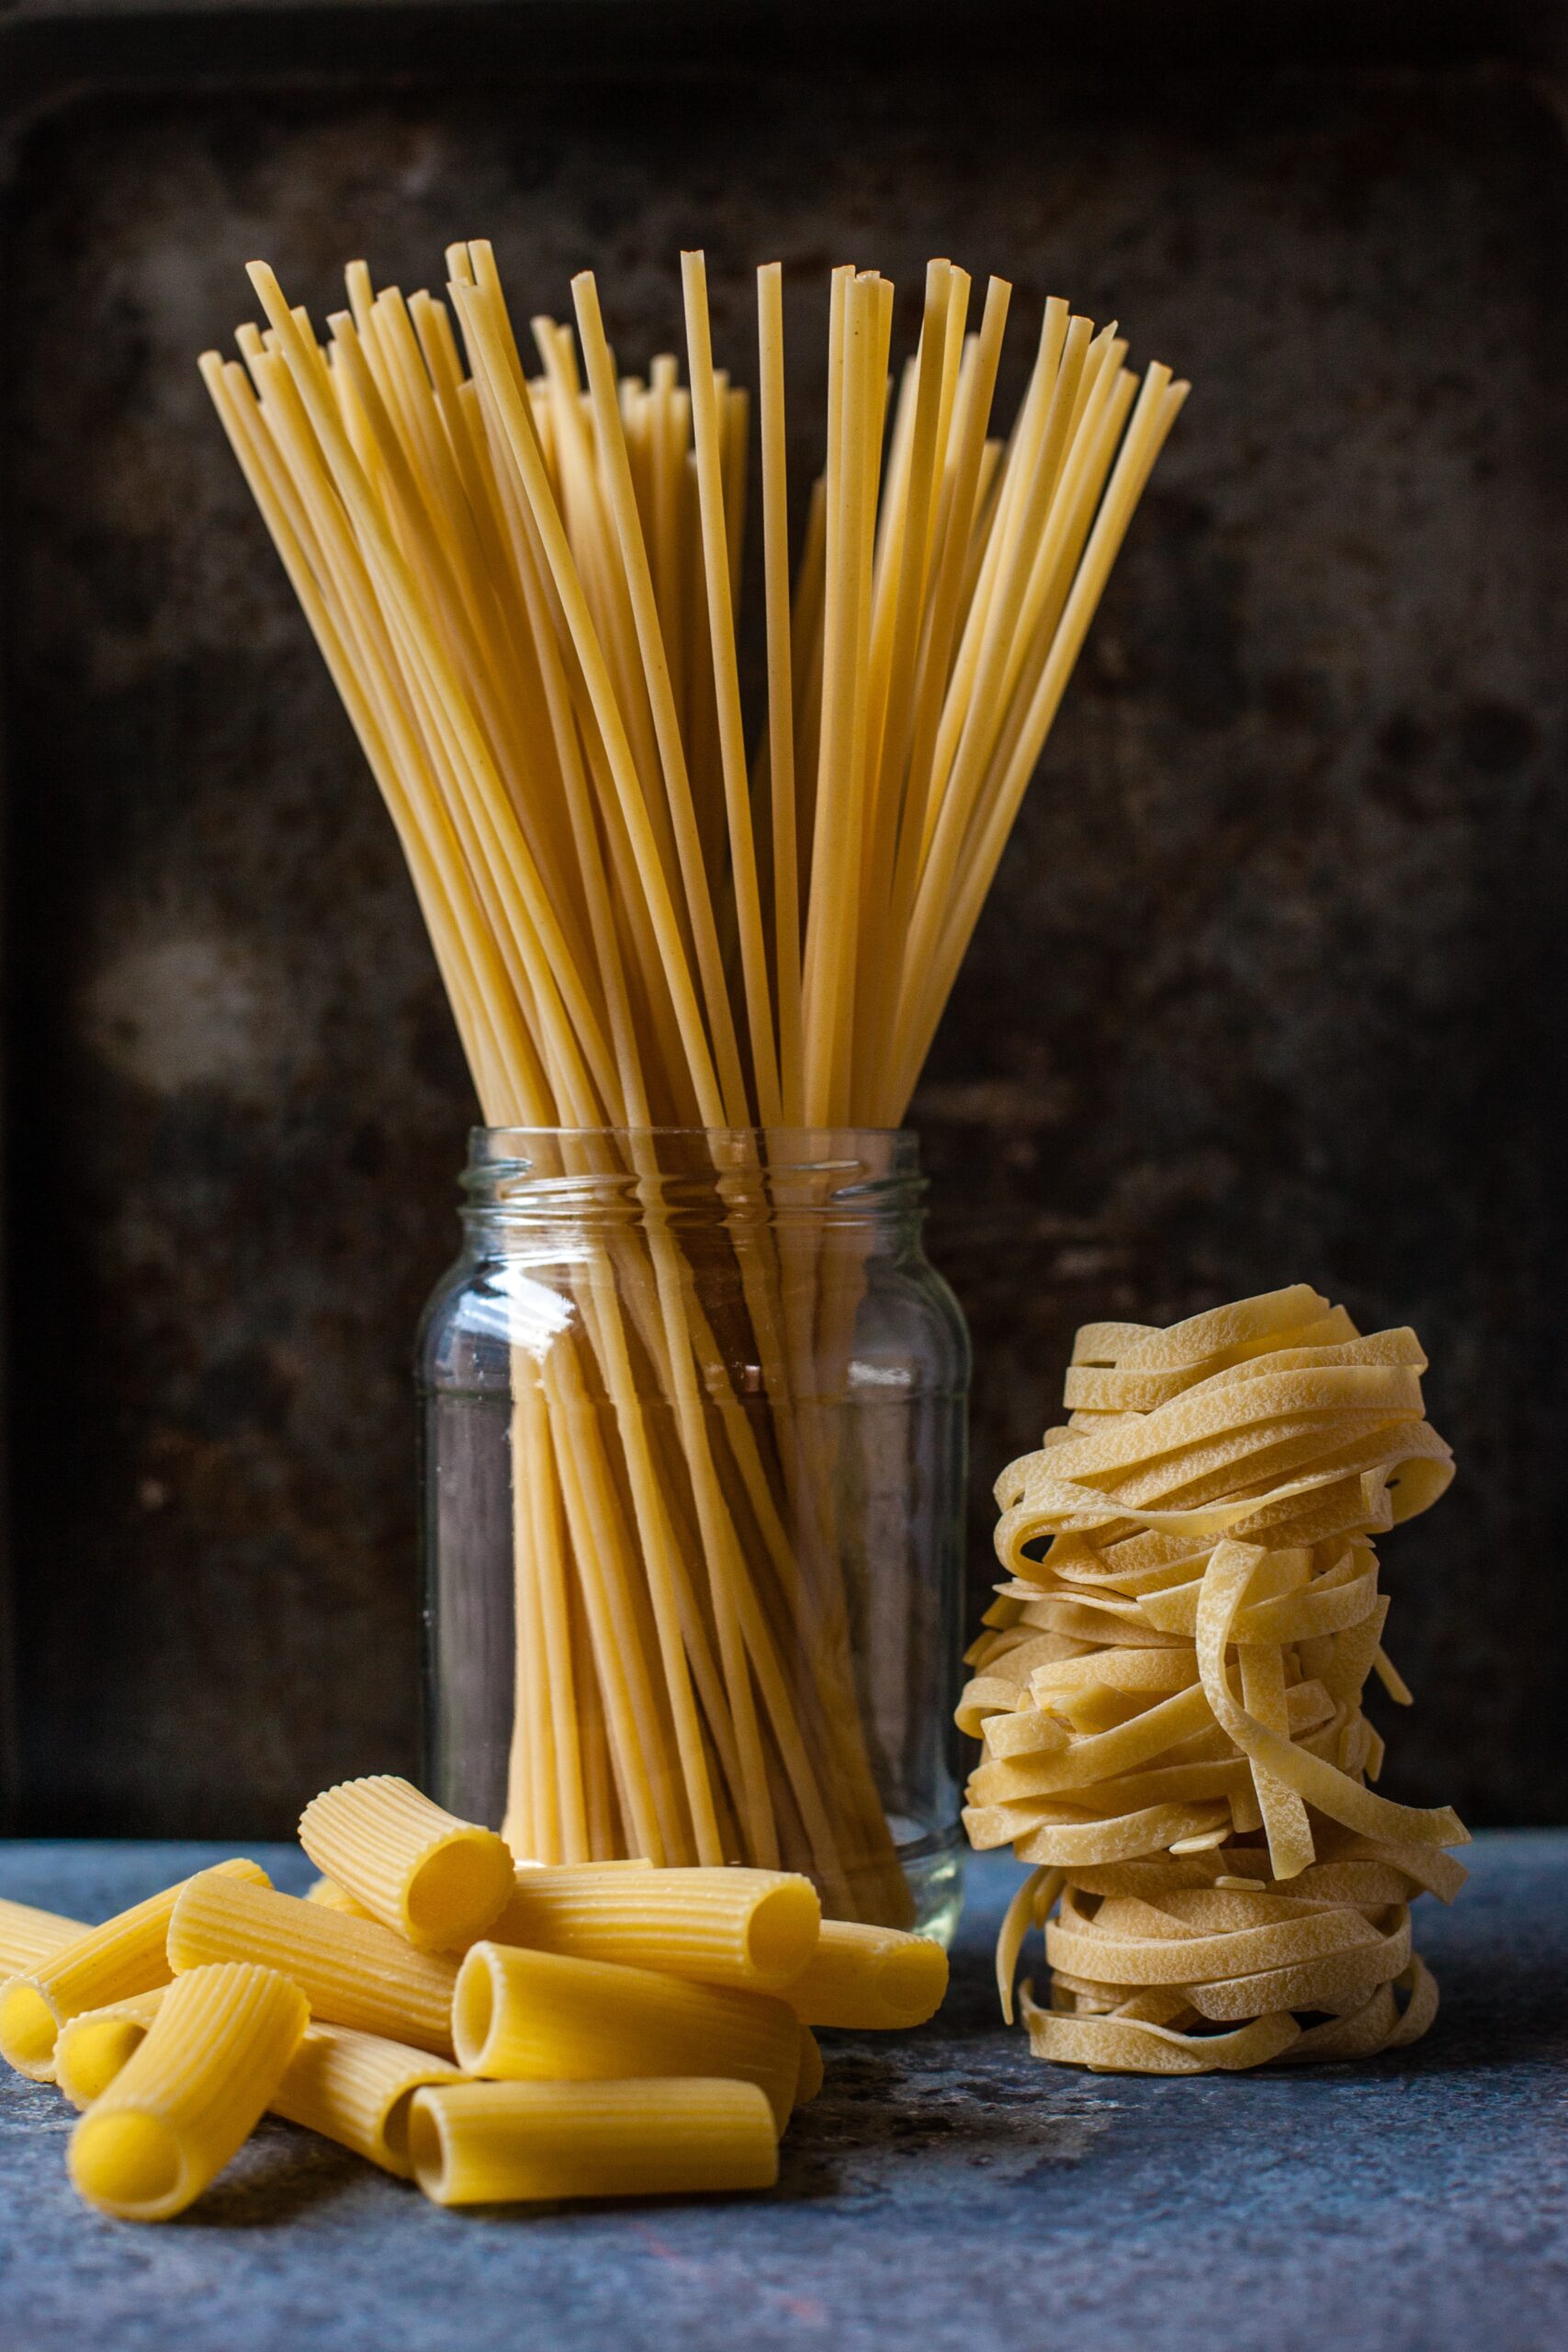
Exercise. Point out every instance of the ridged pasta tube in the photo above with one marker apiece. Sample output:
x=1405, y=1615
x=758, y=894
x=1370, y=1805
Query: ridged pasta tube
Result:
x=353, y=2088
x=336, y=1898
x=438, y=1881
x=353, y=1972
x=481, y=2144
x=869, y=1977
x=751, y=1928
x=185, y=2103
x=127, y=1954
x=93, y=2048
x=540, y=2016
x=27, y=1936
x=356, y=2088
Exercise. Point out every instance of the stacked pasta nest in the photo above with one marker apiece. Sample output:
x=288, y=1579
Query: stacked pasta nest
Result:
x=495, y=2032
x=1169, y=1696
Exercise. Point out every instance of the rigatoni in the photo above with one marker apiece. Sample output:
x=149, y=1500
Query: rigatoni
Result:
x=875, y=1978
x=665, y=2071
x=541, y=2017
x=353, y=1972
x=127, y=1954
x=751, y=1928
x=356, y=2088
x=93, y=2047
x=352, y=2087
x=192, y=2093
x=27, y=1936
x=480, y=2143
x=438, y=1881
x=336, y=1898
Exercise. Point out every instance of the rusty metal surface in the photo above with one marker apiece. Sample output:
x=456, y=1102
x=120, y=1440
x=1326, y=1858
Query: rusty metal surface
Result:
x=1269, y=988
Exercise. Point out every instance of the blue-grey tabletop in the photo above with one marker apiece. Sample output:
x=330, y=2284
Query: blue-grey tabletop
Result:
x=945, y=2191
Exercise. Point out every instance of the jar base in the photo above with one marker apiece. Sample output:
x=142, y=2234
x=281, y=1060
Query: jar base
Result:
x=933, y=1865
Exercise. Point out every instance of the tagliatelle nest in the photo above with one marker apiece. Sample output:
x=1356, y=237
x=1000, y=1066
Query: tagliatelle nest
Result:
x=1169, y=1698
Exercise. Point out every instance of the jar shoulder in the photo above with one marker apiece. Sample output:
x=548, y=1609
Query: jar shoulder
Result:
x=463, y=1327
x=908, y=1317
x=908, y=1327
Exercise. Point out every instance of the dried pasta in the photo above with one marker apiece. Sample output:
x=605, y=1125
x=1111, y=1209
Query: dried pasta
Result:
x=353, y=1972
x=353, y=2088
x=526, y=591
x=673, y=2066
x=127, y=1954
x=1169, y=1697
x=438, y=1881
x=93, y=2048
x=28, y=1935
x=336, y=1898
x=876, y=1978
x=476, y=2143
x=188, y=2098
x=357, y=2088
x=540, y=2016
x=754, y=1930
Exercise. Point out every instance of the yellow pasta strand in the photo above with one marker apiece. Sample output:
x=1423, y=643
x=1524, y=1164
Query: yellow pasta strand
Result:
x=755, y=1929
x=357, y=2088
x=127, y=1954
x=189, y=2096
x=1181, y=1671
x=481, y=2144
x=540, y=2016
x=353, y=1972
x=873, y=1978
x=27, y=1936
x=527, y=594
x=436, y=1880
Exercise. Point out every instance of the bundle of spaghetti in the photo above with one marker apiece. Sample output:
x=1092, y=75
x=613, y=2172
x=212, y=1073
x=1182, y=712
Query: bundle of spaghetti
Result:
x=526, y=587
x=1169, y=1696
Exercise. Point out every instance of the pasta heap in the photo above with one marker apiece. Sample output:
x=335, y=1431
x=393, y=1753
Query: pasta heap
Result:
x=1169, y=1698
x=526, y=590
x=598, y=2030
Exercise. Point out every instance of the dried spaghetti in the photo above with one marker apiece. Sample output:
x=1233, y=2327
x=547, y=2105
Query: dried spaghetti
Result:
x=525, y=588
x=1169, y=1698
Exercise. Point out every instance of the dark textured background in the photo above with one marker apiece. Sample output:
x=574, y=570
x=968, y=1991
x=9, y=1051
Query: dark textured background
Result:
x=1270, y=985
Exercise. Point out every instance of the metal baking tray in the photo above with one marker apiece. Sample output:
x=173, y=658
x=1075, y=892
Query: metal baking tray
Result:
x=1270, y=985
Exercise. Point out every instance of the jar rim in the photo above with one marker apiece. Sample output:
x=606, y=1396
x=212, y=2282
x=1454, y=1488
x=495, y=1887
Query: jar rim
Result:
x=890, y=1155
x=786, y=1169
x=737, y=1134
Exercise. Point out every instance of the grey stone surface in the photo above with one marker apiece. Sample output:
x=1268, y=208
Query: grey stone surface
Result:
x=945, y=2194
x=1270, y=985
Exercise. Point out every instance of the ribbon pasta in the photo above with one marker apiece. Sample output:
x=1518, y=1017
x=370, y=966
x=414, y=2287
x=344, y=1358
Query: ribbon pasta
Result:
x=1169, y=1696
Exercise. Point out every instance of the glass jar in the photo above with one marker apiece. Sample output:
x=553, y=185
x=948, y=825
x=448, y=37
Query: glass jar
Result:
x=692, y=1415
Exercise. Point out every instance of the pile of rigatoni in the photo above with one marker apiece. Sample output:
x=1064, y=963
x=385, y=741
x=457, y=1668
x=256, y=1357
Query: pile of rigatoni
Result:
x=525, y=583
x=496, y=2034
